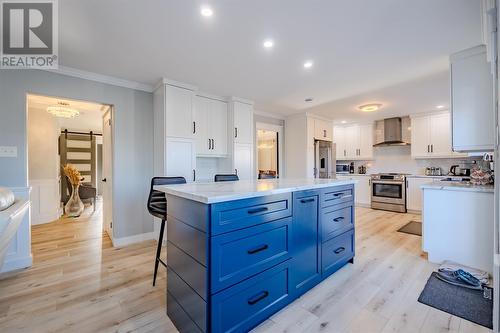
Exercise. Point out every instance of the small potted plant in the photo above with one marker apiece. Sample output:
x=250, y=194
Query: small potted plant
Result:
x=74, y=207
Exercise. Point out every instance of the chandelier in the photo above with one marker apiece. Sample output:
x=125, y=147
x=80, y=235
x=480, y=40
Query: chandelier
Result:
x=63, y=110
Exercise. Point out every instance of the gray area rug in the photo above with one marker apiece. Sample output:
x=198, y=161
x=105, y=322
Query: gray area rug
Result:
x=459, y=301
x=413, y=228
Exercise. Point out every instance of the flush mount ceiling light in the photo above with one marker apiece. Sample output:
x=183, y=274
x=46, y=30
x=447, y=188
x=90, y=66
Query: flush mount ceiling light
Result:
x=268, y=43
x=206, y=11
x=370, y=107
x=63, y=110
x=308, y=64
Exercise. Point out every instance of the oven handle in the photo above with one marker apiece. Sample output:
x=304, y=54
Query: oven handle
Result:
x=391, y=182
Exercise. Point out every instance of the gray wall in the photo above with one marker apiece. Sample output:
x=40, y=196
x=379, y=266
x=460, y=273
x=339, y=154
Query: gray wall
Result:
x=132, y=137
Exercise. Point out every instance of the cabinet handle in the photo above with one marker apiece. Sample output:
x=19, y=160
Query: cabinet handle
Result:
x=236, y=171
x=369, y=182
x=307, y=200
x=336, y=195
x=338, y=219
x=428, y=149
x=432, y=148
x=194, y=175
x=258, y=249
x=257, y=210
x=259, y=297
x=344, y=152
x=324, y=133
x=339, y=250
x=213, y=144
x=194, y=127
x=209, y=144
x=236, y=132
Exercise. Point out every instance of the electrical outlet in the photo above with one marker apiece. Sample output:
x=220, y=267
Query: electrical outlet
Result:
x=8, y=151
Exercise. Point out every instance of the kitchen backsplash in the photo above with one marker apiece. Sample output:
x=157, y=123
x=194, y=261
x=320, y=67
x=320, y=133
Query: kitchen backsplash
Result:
x=399, y=160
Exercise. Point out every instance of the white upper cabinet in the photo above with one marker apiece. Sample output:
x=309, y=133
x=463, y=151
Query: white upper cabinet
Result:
x=210, y=124
x=178, y=112
x=431, y=136
x=323, y=130
x=472, y=101
x=354, y=142
x=243, y=122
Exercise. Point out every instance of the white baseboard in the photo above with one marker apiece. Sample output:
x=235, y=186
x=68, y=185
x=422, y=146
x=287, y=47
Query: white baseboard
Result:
x=124, y=241
x=17, y=263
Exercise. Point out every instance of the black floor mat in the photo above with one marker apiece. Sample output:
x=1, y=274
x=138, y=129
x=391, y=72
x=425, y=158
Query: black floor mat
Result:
x=413, y=228
x=461, y=302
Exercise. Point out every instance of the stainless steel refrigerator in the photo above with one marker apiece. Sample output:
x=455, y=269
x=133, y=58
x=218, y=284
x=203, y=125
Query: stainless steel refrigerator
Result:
x=324, y=159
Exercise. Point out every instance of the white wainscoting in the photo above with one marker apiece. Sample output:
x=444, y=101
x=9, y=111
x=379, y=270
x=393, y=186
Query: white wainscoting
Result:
x=19, y=253
x=45, y=200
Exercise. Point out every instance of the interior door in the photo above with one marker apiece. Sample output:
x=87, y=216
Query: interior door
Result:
x=107, y=173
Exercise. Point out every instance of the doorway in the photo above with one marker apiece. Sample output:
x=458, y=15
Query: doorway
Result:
x=269, y=139
x=70, y=133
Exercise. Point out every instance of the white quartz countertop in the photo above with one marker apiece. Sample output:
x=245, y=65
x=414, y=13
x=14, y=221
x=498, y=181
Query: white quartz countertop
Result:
x=458, y=186
x=227, y=191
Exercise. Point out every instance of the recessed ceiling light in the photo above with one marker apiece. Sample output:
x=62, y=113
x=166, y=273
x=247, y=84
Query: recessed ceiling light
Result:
x=308, y=64
x=206, y=11
x=370, y=107
x=309, y=99
x=439, y=106
x=343, y=122
x=268, y=43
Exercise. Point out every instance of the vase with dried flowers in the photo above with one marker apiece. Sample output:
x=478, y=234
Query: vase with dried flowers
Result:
x=74, y=207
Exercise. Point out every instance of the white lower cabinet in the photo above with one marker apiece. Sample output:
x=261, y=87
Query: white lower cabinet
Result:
x=362, y=189
x=243, y=160
x=180, y=158
x=414, y=194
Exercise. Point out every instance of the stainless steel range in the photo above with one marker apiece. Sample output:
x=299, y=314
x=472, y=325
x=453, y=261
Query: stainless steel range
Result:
x=389, y=192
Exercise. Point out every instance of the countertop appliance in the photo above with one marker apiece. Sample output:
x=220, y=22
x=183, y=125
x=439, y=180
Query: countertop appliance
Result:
x=342, y=168
x=433, y=171
x=389, y=192
x=324, y=159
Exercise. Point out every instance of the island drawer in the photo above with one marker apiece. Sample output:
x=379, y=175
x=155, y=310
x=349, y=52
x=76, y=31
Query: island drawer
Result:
x=238, y=255
x=336, y=220
x=245, y=305
x=336, y=252
x=337, y=195
x=240, y=214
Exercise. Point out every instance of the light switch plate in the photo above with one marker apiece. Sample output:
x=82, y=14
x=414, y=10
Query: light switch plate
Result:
x=8, y=151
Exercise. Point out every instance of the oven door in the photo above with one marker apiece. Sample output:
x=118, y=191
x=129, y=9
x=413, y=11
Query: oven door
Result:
x=389, y=191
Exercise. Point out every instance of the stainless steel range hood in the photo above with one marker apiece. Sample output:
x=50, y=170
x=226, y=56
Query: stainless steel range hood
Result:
x=392, y=133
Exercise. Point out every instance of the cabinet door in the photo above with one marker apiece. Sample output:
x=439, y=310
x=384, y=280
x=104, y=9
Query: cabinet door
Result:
x=339, y=140
x=352, y=141
x=414, y=194
x=243, y=123
x=440, y=135
x=179, y=113
x=322, y=130
x=306, y=267
x=201, y=107
x=420, y=146
x=362, y=190
x=472, y=106
x=180, y=158
x=218, y=127
x=365, y=151
x=243, y=160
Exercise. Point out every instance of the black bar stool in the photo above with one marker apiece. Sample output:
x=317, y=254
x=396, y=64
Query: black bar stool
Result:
x=157, y=206
x=226, y=178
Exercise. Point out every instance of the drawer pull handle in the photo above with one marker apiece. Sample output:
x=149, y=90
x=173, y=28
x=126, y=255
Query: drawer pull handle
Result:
x=339, y=250
x=307, y=200
x=258, y=249
x=257, y=298
x=338, y=219
x=336, y=195
x=257, y=210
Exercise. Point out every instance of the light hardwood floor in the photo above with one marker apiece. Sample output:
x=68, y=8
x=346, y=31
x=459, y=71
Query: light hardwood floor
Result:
x=80, y=283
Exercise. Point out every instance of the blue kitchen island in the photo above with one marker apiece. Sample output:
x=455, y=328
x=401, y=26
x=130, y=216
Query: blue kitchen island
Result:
x=238, y=252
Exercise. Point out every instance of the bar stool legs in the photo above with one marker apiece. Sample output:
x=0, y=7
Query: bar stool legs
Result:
x=158, y=251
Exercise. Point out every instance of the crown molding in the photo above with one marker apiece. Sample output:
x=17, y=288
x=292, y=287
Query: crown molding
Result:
x=241, y=100
x=270, y=115
x=91, y=76
x=174, y=83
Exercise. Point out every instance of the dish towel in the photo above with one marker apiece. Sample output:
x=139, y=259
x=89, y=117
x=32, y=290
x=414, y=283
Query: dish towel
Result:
x=6, y=198
x=449, y=266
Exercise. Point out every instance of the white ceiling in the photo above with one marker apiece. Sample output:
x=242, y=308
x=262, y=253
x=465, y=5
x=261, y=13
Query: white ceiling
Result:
x=89, y=119
x=357, y=46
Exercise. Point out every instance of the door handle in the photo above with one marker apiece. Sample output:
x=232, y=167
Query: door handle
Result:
x=260, y=296
x=339, y=250
x=258, y=249
x=103, y=180
x=257, y=210
x=307, y=200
